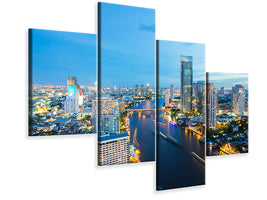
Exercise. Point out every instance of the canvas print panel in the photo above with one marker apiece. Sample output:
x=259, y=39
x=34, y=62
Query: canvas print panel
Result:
x=127, y=84
x=227, y=113
x=62, y=82
x=180, y=160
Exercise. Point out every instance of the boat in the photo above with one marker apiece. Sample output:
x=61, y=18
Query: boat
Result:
x=198, y=158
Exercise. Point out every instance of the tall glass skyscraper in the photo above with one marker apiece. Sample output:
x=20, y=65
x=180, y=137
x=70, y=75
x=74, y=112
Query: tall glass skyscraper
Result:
x=211, y=105
x=186, y=83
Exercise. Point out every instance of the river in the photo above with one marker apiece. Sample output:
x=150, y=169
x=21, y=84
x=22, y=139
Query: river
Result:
x=176, y=167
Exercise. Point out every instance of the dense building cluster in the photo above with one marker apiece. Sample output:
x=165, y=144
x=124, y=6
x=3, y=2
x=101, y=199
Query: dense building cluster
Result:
x=61, y=110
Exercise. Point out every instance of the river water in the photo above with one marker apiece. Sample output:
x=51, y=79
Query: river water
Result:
x=176, y=167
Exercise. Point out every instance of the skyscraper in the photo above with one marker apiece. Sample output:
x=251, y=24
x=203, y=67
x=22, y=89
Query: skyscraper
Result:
x=211, y=98
x=186, y=83
x=142, y=91
x=113, y=146
x=222, y=91
x=239, y=104
x=235, y=91
x=72, y=100
x=108, y=116
x=72, y=104
x=167, y=98
x=200, y=92
x=73, y=86
x=171, y=92
x=136, y=90
x=113, y=149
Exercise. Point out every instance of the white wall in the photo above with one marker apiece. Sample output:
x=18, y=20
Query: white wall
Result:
x=65, y=167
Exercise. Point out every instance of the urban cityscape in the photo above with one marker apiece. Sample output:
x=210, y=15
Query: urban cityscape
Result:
x=61, y=110
x=126, y=119
x=60, y=104
x=227, y=113
x=180, y=115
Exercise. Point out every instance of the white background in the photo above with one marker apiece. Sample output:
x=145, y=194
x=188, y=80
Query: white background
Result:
x=65, y=167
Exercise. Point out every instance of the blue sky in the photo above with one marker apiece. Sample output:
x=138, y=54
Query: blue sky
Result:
x=227, y=80
x=56, y=55
x=127, y=45
x=170, y=64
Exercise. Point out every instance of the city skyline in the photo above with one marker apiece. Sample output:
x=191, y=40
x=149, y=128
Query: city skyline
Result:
x=228, y=80
x=227, y=113
x=180, y=128
x=57, y=55
x=170, y=61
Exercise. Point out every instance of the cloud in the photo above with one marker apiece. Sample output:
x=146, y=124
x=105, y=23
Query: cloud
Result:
x=147, y=28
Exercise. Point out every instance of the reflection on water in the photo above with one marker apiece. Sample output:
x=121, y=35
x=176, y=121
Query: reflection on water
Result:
x=141, y=134
x=176, y=167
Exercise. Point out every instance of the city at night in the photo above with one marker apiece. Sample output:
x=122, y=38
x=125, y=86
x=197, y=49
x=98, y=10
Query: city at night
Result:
x=180, y=114
x=227, y=113
x=126, y=106
x=62, y=82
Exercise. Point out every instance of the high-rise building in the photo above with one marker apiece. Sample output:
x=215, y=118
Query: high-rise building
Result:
x=142, y=91
x=222, y=91
x=239, y=104
x=211, y=104
x=136, y=90
x=73, y=86
x=113, y=149
x=199, y=93
x=113, y=146
x=235, y=91
x=167, y=98
x=72, y=104
x=80, y=100
x=147, y=90
x=108, y=116
x=186, y=83
x=172, y=92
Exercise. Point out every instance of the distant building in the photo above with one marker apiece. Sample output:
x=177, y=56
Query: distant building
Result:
x=167, y=98
x=108, y=116
x=136, y=90
x=72, y=104
x=235, y=91
x=80, y=99
x=222, y=91
x=142, y=91
x=113, y=149
x=211, y=104
x=147, y=90
x=73, y=86
x=172, y=92
x=199, y=93
x=239, y=104
x=186, y=83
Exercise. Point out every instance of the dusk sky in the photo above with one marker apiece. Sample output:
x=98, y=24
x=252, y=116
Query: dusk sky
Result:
x=227, y=80
x=127, y=45
x=170, y=64
x=57, y=55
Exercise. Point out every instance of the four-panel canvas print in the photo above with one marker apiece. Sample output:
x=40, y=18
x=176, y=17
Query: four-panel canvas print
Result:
x=147, y=99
